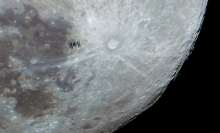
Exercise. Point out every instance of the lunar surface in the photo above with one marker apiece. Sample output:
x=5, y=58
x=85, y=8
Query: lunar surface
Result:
x=130, y=51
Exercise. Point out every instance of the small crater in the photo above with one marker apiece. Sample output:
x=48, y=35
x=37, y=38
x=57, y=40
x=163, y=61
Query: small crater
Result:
x=116, y=115
x=124, y=102
x=92, y=123
x=174, y=59
x=71, y=111
x=54, y=78
x=39, y=115
x=144, y=23
x=155, y=96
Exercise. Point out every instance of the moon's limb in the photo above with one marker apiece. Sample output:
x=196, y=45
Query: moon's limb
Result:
x=130, y=51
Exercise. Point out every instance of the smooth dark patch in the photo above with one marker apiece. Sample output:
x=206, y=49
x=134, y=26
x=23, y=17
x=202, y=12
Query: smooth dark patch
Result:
x=34, y=102
x=29, y=102
x=43, y=40
x=36, y=33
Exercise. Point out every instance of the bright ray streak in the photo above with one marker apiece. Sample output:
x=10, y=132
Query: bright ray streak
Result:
x=132, y=66
x=98, y=62
x=82, y=59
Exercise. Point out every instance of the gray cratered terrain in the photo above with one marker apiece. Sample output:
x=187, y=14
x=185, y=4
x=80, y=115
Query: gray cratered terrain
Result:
x=130, y=51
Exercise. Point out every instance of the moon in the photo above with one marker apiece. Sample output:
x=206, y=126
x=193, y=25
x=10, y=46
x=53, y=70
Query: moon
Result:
x=130, y=51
